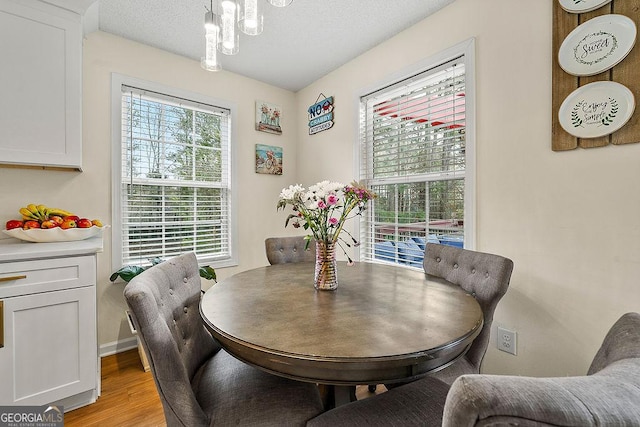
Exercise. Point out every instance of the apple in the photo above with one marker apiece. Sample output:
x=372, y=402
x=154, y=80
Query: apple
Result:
x=14, y=223
x=30, y=224
x=57, y=219
x=48, y=224
x=72, y=217
x=68, y=223
x=84, y=223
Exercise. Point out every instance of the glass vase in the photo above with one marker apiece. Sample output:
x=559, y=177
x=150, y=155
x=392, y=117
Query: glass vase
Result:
x=326, y=277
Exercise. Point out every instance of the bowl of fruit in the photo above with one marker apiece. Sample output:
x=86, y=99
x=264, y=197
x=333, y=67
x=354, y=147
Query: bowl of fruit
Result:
x=43, y=224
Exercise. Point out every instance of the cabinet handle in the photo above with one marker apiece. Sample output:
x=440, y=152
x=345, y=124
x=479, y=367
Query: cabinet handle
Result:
x=1, y=324
x=10, y=278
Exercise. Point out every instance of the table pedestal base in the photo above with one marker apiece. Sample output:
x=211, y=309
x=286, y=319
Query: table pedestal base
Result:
x=337, y=395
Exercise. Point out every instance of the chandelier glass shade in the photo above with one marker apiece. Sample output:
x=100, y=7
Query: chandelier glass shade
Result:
x=280, y=3
x=224, y=23
x=250, y=17
x=229, y=40
x=210, y=61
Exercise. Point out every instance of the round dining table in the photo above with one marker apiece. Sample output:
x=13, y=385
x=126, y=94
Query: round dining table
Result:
x=383, y=323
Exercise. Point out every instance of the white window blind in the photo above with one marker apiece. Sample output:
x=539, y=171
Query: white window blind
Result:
x=175, y=181
x=413, y=155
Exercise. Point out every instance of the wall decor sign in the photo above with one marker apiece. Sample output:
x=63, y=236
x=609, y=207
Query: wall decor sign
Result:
x=597, y=45
x=596, y=109
x=268, y=159
x=564, y=83
x=268, y=117
x=321, y=114
x=582, y=6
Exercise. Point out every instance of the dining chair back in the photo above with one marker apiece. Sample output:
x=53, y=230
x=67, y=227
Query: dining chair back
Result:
x=281, y=250
x=483, y=275
x=608, y=396
x=198, y=382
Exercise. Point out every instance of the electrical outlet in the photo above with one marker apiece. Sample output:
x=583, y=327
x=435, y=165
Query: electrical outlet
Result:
x=507, y=340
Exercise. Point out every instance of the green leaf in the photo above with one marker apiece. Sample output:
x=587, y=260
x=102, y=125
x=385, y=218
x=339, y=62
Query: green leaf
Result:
x=130, y=271
x=127, y=273
x=208, y=273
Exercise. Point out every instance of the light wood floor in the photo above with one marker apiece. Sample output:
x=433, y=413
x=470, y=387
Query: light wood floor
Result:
x=129, y=396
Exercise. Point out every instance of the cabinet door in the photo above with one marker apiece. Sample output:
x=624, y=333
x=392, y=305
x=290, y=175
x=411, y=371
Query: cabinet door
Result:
x=40, y=82
x=50, y=348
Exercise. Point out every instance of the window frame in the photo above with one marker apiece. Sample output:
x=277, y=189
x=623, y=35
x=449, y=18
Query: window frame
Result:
x=465, y=50
x=117, y=81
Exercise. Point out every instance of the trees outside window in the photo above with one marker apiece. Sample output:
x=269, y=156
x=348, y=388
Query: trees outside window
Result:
x=174, y=187
x=413, y=154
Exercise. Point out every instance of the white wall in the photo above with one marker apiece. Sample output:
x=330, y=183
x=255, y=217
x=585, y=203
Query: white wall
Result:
x=257, y=193
x=89, y=193
x=567, y=219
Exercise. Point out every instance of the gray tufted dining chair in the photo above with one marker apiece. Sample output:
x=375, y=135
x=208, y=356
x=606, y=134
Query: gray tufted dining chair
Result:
x=199, y=383
x=281, y=250
x=485, y=276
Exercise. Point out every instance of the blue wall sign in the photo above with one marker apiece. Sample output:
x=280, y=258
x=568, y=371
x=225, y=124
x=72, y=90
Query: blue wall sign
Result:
x=321, y=115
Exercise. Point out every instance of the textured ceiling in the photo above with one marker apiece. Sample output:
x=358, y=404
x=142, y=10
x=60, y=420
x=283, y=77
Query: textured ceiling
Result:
x=300, y=43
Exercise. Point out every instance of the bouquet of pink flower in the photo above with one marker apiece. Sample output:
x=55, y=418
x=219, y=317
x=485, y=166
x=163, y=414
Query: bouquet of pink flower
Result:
x=324, y=207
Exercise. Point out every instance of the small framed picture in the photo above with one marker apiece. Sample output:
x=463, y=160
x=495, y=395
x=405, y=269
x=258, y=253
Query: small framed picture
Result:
x=268, y=117
x=268, y=159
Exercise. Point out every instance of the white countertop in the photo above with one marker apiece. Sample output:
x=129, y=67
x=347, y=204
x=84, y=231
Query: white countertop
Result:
x=18, y=250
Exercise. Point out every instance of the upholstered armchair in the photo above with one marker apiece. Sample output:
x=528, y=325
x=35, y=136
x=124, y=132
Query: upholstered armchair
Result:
x=607, y=396
x=199, y=383
x=281, y=250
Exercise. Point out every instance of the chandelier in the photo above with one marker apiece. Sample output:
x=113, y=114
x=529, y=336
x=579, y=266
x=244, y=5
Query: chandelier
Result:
x=223, y=25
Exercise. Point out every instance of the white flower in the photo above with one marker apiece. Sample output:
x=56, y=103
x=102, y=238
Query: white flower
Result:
x=309, y=201
x=289, y=193
x=322, y=189
x=323, y=207
x=308, y=196
x=317, y=189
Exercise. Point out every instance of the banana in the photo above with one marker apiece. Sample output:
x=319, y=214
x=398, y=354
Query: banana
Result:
x=33, y=209
x=27, y=214
x=43, y=211
x=59, y=212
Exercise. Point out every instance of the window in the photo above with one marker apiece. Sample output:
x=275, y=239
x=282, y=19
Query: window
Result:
x=414, y=153
x=173, y=190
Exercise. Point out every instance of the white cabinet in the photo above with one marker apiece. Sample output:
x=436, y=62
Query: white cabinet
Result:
x=41, y=85
x=48, y=334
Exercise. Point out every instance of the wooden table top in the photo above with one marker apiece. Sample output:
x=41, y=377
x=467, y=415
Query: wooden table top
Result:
x=382, y=324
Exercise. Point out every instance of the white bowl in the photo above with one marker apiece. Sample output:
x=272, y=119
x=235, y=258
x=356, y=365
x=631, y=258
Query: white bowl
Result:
x=41, y=235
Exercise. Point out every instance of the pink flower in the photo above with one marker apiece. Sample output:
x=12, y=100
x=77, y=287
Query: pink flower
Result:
x=332, y=199
x=321, y=204
x=333, y=221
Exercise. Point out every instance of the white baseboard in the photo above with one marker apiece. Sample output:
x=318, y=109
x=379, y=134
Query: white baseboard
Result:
x=118, y=346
